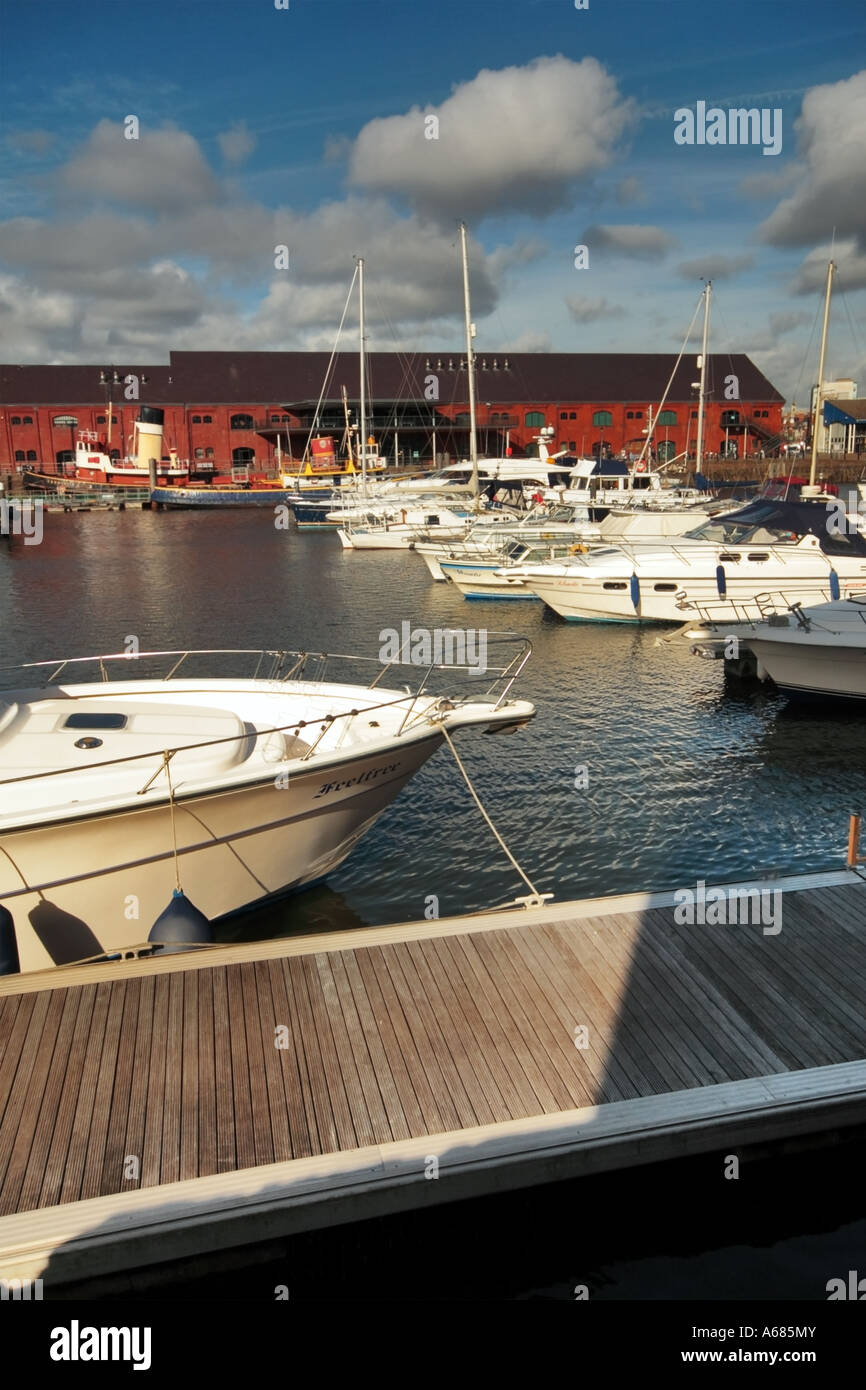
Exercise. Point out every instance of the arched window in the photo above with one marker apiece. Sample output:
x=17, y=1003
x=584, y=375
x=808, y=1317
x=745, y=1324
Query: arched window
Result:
x=666, y=417
x=208, y=453
x=286, y=418
x=241, y=422
x=563, y=415
x=275, y=419
x=572, y=415
x=16, y=419
x=100, y=419
x=207, y=419
x=602, y=418
x=31, y=455
x=240, y=457
x=534, y=419
x=19, y=456
x=199, y=453
x=629, y=414
x=196, y=419
x=28, y=419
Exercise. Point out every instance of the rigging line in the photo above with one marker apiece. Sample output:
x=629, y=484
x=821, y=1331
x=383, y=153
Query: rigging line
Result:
x=166, y=760
x=530, y=885
x=651, y=432
x=330, y=368
x=807, y=354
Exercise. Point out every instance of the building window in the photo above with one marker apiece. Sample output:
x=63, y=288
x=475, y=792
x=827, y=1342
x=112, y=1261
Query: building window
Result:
x=28, y=419
x=730, y=417
x=199, y=453
x=462, y=417
x=534, y=419
x=629, y=414
x=563, y=415
x=241, y=422
x=572, y=446
x=114, y=453
x=286, y=419
x=60, y=420
x=207, y=419
x=638, y=415
x=602, y=418
x=16, y=419
x=20, y=456
x=208, y=453
x=666, y=417
x=275, y=419
x=196, y=419
x=31, y=455
x=694, y=415
x=240, y=457
x=100, y=419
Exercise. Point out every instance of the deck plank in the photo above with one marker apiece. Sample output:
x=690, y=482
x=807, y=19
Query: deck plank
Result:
x=409, y=1037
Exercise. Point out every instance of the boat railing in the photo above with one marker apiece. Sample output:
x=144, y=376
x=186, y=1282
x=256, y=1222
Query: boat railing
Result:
x=496, y=676
x=768, y=604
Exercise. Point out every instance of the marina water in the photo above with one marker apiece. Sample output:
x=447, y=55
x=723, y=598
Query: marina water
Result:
x=642, y=769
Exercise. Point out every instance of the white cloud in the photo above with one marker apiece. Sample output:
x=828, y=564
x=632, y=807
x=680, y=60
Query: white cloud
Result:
x=850, y=262
x=831, y=190
x=163, y=170
x=584, y=309
x=514, y=139
x=714, y=266
x=640, y=242
x=236, y=143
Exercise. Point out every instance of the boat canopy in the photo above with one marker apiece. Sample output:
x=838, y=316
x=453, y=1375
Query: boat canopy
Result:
x=768, y=520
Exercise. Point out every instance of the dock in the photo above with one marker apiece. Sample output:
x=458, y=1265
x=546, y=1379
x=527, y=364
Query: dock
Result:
x=161, y=1109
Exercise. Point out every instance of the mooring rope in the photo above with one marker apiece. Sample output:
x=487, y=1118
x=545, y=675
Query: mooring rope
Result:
x=538, y=899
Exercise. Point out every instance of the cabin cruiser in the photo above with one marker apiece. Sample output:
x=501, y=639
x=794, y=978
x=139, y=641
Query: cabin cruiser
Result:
x=123, y=778
x=787, y=549
x=604, y=483
x=817, y=652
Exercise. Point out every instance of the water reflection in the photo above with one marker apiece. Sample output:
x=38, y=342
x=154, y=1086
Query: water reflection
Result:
x=689, y=775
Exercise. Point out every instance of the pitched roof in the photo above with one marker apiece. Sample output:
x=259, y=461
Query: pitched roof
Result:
x=287, y=377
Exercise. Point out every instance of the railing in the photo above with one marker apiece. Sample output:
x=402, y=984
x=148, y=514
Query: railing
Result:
x=284, y=666
x=762, y=606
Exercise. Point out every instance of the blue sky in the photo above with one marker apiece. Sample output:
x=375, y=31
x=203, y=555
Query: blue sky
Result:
x=305, y=127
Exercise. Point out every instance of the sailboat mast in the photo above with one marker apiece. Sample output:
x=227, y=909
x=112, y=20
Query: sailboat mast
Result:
x=470, y=363
x=699, y=447
x=362, y=410
x=831, y=266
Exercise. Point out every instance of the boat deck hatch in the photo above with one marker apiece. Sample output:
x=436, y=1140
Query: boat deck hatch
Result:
x=95, y=721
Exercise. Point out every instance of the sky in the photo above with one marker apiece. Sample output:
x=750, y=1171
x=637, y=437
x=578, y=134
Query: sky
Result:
x=345, y=128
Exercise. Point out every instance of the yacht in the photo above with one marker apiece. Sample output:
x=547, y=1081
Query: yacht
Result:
x=127, y=778
x=817, y=652
x=782, y=549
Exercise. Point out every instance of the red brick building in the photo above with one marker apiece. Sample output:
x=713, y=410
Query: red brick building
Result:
x=224, y=407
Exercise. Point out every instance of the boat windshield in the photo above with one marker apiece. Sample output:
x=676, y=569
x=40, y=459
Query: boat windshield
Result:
x=768, y=521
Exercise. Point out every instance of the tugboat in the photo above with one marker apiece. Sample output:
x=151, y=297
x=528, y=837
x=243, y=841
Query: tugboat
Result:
x=94, y=468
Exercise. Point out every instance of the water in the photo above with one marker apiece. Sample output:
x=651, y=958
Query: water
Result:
x=687, y=778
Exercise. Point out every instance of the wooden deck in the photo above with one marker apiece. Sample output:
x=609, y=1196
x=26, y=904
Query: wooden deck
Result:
x=125, y=1087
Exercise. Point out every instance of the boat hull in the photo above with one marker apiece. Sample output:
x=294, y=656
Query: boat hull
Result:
x=479, y=580
x=809, y=672
x=97, y=883
x=220, y=497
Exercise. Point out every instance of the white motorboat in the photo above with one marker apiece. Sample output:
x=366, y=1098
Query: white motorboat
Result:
x=784, y=549
x=117, y=791
x=816, y=652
